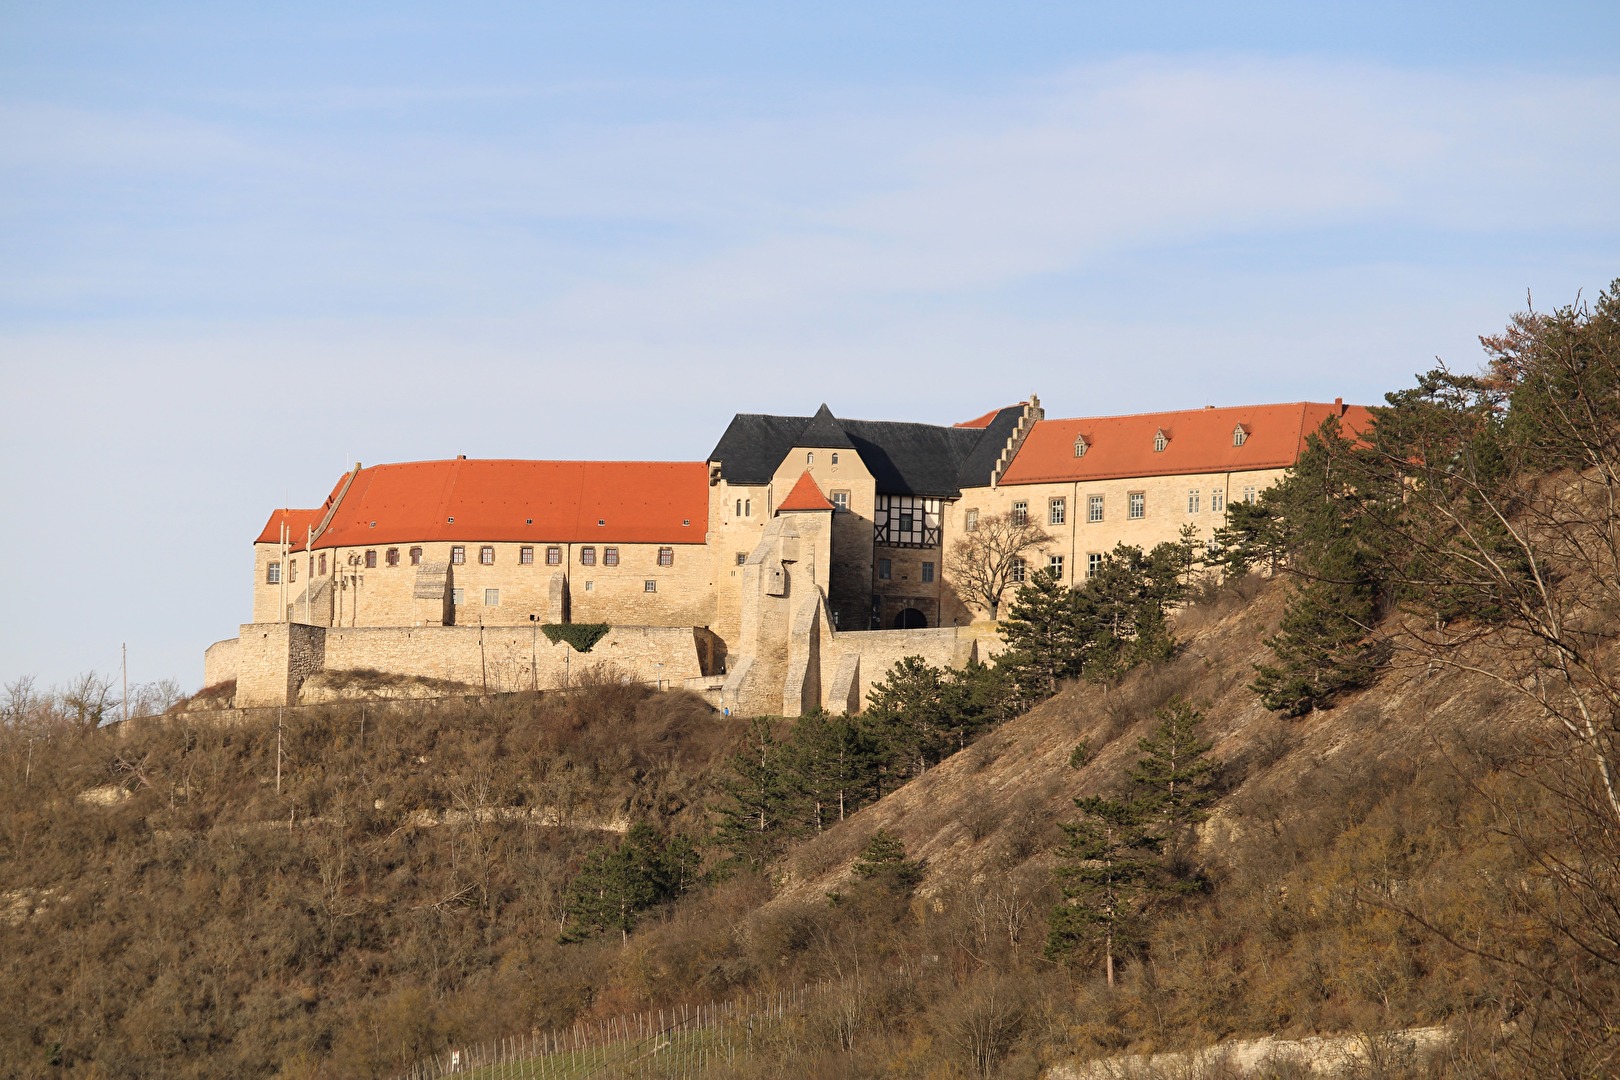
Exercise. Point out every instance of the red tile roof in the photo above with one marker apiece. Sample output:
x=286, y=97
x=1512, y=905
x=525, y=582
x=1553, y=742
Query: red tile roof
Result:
x=983, y=421
x=805, y=496
x=1198, y=441
x=298, y=523
x=649, y=502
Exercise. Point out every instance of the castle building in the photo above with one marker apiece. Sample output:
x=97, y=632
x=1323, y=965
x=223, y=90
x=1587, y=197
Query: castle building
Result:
x=786, y=571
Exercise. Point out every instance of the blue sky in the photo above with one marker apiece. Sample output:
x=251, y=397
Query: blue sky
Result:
x=244, y=245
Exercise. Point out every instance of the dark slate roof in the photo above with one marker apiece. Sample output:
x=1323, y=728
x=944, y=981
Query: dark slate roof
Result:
x=904, y=458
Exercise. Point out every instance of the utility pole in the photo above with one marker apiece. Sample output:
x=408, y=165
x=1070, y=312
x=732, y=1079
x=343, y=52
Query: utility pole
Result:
x=278, y=749
x=125, y=651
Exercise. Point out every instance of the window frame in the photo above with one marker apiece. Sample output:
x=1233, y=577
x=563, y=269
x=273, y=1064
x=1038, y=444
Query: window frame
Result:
x=885, y=569
x=416, y=556
x=391, y=557
x=1136, y=505
x=587, y=555
x=1054, y=566
x=526, y=555
x=666, y=556
x=1094, y=509
x=610, y=555
x=927, y=572
x=1057, y=510
x=1019, y=514
x=371, y=558
x=272, y=572
x=492, y=597
x=553, y=554
x=1195, y=499
x=486, y=555
x=458, y=555
x=649, y=585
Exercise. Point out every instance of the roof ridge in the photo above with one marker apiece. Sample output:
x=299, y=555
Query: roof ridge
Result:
x=1194, y=411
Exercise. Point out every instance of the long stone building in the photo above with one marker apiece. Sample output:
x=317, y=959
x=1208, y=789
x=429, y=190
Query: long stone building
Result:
x=787, y=570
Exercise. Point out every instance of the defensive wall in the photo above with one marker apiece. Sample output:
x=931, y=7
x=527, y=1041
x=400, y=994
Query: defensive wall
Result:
x=271, y=661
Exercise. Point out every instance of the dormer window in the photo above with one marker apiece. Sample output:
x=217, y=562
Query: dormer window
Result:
x=1080, y=446
x=1159, y=441
x=1239, y=436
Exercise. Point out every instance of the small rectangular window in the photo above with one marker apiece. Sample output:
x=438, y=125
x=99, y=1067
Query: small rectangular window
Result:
x=1018, y=571
x=1248, y=494
x=1192, y=501
x=610, y=556
x=458, y=597
x=1094, y=508
x=458, y=555
x=292, y=570
x=587, y=556
x=649, y=585
x=840, y=501
x=272, y=574
x=323, y=564
x=970, y=521
x=392, y=557
x=371, y=560
x=1056, y=511
x=1137, y=504
x=1217, y=501
x=525, y=556
x=928, y=571
x=666, y=556
x=1020, y=513
x=486, y=555
x=1055, y=565
x=416, y=558
x=554, y=555
x=1093, y=563
x=492, y=598
x=884, y=569
x=589, y=585
x=742, y=558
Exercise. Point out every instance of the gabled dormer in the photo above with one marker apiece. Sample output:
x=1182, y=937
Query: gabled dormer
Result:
x=1081, y=446
x=1240, y=435
x=1161, y=440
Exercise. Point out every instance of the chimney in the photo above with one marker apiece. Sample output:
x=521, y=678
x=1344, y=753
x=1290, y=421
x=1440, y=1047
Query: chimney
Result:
x=1338, y=403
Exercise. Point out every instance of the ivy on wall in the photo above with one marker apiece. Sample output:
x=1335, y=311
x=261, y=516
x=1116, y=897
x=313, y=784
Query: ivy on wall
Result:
x=582, y=636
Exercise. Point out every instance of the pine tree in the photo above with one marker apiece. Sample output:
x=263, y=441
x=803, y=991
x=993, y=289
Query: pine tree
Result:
x=617, y=883
x=884, y=860
x=908, y=719
x=755, y=810
x=1173, y=777
x=1110, y=868
x=1047, y=637
x=831, y=766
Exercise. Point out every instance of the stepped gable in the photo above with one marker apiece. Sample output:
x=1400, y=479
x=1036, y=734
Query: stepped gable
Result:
x=652, y=502
x=805, y=496
x=1197, y=441
x=904, y=458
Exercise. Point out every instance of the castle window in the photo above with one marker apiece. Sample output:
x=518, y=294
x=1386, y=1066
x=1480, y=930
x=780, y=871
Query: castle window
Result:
x=458, y=555
x=1080, y=446
x=884, y=569
x=391, y=557
x=1136, y=505
x=1159, y=442
x=587, y=556
x=292, y=570
x=650, y=585
x=1248, y=494
x=666, y=556
x=416, y=559
x=589, y=585
x=553, y=555
x=1054, y=566
x=927, y=572
x=1217, y=501
x=809, y=457
x=1094, y=508
x=970, y=521
x=1093, y=563
x=525, y=556
x=1018, y=571
x=272, y=574
x=458, y=597
x=742, y=558
x=840, y=501
x=371, y=559
x=906, y=521
x=492, y=598
x=610, y=556
x=835, y=459
x=323, y=564
x=486, y=555
x=739, y=509
x=1192, y=501
x=748, y=508
x=1020, y=513
x=1057, y=510
x=1239, y=436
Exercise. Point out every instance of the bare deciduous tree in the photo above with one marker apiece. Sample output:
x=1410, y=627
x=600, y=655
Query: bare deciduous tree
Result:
x=987, y=561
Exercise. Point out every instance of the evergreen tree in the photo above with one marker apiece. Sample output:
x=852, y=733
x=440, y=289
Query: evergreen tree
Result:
x=884, y=861
x=832, y=768
x=908, y=719
x=617, y=883
x=1173, y=778
x=1110, y=868
x=1047, y=637
x=756, y=807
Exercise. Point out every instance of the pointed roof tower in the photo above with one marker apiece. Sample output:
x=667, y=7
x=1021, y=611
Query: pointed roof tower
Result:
x=805, y=496
x=824, y=431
